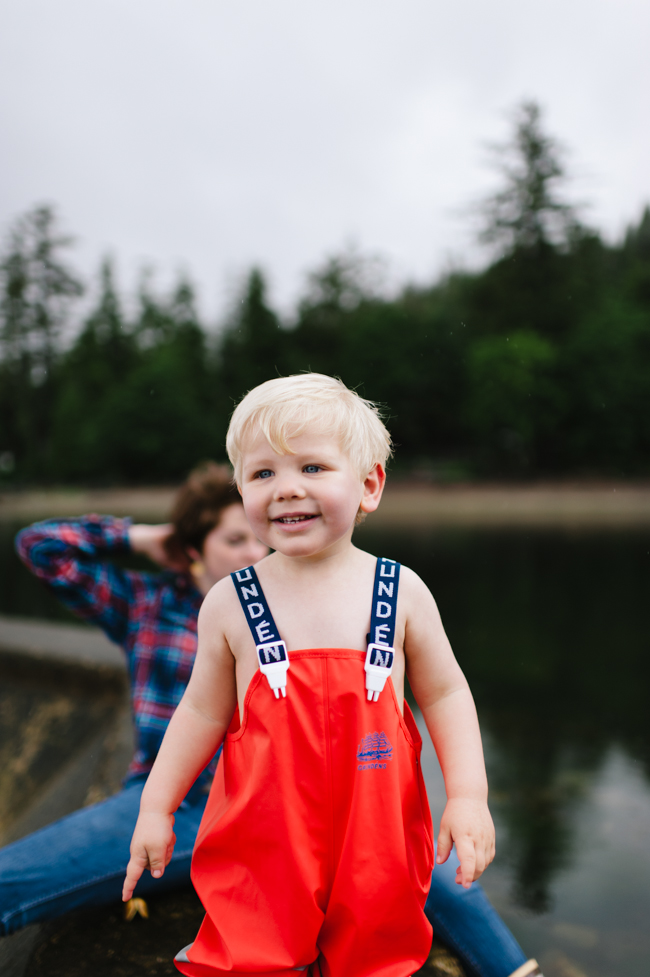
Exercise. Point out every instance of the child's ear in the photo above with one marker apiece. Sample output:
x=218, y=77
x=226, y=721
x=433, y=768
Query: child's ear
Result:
x=373, y=486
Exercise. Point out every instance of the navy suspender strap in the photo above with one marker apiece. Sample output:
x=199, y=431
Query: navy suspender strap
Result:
x=381, y=654
x=271, y=649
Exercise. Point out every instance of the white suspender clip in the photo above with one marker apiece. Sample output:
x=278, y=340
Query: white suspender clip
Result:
x=379, y=665
x=274, y=663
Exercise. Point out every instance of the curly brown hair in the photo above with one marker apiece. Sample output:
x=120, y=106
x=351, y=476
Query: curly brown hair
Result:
x=199, y=502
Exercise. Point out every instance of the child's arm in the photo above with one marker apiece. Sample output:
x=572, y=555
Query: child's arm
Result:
x=194, y=734
x=443, y=695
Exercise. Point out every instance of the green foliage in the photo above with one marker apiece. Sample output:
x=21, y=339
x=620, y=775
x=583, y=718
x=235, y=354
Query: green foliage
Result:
x=136, y=401
x=36, y=288
x=608, y=422
x=527, y=212
x=513, y=399
x=165, y=407
x=251, y=348
x=94, y=368
x=535, y=365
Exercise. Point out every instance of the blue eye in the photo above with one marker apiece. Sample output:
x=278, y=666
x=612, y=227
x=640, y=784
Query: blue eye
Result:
x=265, y=473
x=312, y=469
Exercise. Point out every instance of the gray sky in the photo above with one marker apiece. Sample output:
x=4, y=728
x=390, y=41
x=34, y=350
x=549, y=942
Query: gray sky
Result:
x=206, y=135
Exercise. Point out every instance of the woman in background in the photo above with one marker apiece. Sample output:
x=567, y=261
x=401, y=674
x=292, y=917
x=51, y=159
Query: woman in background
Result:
x=81, y=859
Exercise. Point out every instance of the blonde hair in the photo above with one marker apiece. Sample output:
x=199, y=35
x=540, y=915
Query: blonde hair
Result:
x=285, y=407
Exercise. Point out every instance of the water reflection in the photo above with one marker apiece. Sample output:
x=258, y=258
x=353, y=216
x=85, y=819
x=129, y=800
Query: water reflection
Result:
x=552, y=633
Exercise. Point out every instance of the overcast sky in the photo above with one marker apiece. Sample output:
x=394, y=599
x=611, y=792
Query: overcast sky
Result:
x=209, y=136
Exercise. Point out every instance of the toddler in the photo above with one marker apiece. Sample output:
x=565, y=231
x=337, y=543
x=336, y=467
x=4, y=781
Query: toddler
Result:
x=316, y=849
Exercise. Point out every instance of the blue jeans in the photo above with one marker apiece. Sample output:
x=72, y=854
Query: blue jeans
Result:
x=465, y=921
x=80, y=861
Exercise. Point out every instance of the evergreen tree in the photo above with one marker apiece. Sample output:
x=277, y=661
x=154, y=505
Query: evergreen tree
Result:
x=408, y=355
x=512, y=400
x=93, y=371
x=326, y=313
x=635, y=262
x=36, y=291
x=252, y=347
x=522, y=308
x=528, y=213
x=162, y=418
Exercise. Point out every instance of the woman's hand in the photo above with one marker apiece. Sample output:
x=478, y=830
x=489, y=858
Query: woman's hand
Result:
x=150, y=541
x=468, y=824
x=152, y=847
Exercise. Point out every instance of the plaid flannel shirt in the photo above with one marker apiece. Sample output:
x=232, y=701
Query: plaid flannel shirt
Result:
x=153, y=616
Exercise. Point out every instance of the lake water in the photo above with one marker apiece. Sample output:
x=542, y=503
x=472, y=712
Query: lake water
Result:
x=552, y=631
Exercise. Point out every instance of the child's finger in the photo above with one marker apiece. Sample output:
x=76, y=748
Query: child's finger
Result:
x=479, y=867
x=467, y=858
x=444, y=845
x=134, y=870
x=486, y=850
x=127, y=890
x=157, y=862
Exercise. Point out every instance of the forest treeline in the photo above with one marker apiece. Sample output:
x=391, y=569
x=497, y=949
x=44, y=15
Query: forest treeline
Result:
x=538, y=364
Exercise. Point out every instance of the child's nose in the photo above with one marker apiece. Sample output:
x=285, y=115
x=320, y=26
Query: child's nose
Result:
x=288, y=486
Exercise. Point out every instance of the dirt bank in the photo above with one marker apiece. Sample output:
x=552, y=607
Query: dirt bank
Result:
x=100, y=943
x=597, y=504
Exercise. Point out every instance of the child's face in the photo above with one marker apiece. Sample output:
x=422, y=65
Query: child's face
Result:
x=303, y=504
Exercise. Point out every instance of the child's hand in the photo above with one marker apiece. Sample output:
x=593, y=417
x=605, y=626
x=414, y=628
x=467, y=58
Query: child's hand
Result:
x=152, y=846
x=467, y=824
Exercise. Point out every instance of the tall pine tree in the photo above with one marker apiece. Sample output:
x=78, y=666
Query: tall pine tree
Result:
x=36, y=291
x=253, y=344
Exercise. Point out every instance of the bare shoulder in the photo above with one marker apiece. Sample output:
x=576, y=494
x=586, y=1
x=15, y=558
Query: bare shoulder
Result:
x=421, y=615
x=364, y=559
x=430, y=663
x=413, y=589
x=219, y=609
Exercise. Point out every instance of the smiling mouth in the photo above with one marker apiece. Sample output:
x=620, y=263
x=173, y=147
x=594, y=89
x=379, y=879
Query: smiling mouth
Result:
x=291, y=520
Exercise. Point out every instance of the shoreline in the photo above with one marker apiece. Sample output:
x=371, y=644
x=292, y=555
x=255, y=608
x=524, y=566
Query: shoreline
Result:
x=405, y=504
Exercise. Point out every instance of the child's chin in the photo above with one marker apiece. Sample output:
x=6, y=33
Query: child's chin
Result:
x=299, y=544
x=295, y=543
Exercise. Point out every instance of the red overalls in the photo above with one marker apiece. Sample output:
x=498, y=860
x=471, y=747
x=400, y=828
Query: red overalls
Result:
x=316, y=842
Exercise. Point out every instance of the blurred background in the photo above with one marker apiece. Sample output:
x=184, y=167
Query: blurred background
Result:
x=447, y=208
